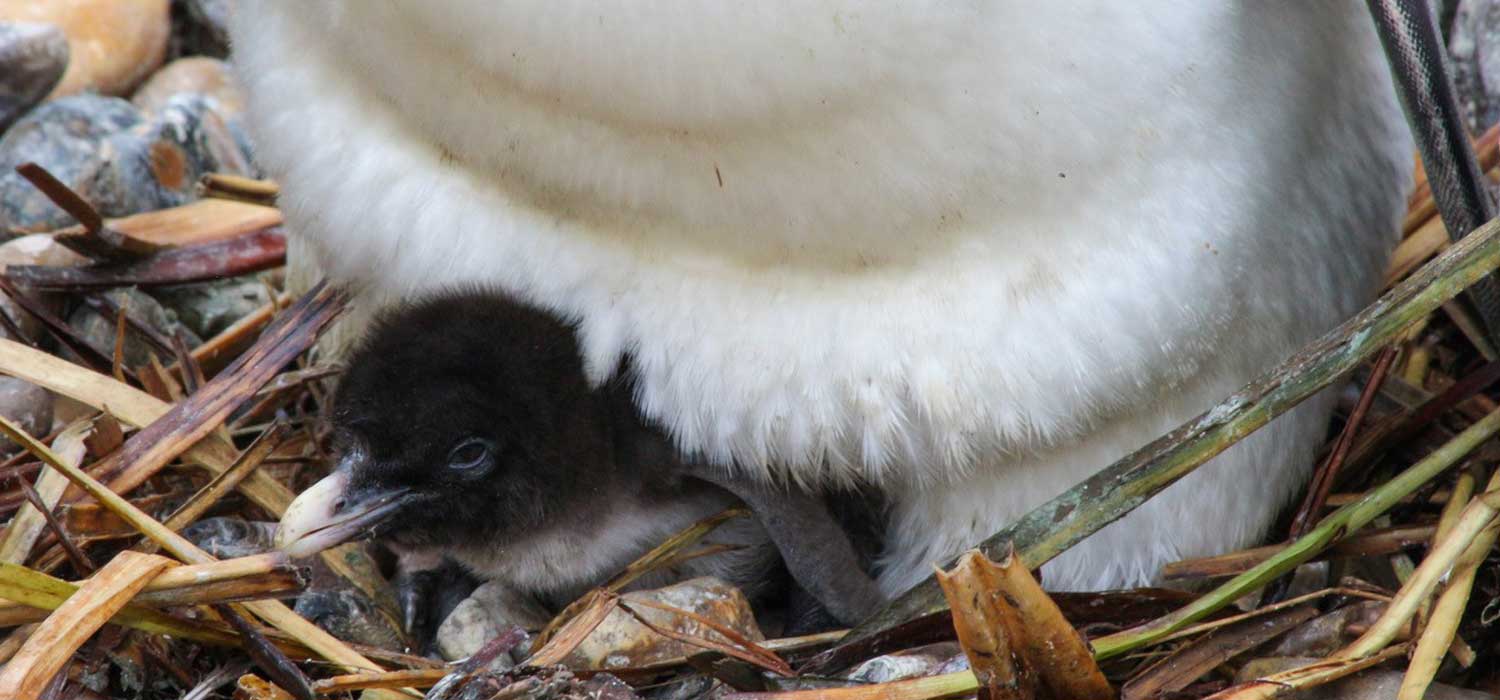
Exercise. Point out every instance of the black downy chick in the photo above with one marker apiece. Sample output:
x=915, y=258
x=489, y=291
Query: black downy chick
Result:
x=466, y=429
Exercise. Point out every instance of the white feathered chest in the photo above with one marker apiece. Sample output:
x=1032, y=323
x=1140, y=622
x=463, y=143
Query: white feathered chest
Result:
x=970, y=251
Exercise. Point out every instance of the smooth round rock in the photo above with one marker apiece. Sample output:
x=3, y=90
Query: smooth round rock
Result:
x=1474, y=47
x=67, y=137
x=26, y=405
x=32, y=59
x=200, y=75
x=209, y=307
x=114, y=157
x=158, y=163
x=348, y=615
x=114, y=44
x=98, y=330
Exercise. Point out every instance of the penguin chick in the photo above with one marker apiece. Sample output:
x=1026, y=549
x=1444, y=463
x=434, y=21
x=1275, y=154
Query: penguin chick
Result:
x=467, y=429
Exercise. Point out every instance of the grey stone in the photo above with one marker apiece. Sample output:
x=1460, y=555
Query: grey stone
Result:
x=115, y=157
x=194, y=75
x=158, y=163
x=33, y=57
x=98, y=330
x=208, y=308
x=1474, y=46
x=910, y=663
x=691, y=688
x=67, y=137
x=349, y=615
x=231, y=538
x=27, y=405
x=485, y=614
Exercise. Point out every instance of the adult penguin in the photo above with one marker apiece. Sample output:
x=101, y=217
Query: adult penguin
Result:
x=964, y=252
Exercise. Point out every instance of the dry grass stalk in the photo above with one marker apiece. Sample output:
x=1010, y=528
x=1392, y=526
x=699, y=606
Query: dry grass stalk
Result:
x=415, y=678
x=1440, y=634
x=231, y=341
x=132, y=407
x=53, y=642
x=42, y=592
x=1190, y=662
x=947, y=685
x=28, y=522
x=200, y=414
x=1204, y=627
x=1383, y=541
x=236, y=187
x=1477, y=518
x=739, y=646
x=272, y=612
x=262, y=575
x=203, y=221
x=661, y=555
x=93, y=238
x=1053, y=527
x=13, y=641
x=137, y=408
x=1290, y=681
x=222, y=484
x=597, y=606
x=1332, y=527
x=199, y=262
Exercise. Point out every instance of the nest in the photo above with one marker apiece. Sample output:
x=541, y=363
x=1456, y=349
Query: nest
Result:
x=1383, y=574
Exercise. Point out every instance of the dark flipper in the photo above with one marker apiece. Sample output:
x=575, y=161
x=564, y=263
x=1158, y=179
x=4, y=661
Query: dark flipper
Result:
x=813, y=544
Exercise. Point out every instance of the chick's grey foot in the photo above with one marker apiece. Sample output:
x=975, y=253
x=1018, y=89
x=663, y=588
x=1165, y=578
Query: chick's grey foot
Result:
x=813, y=543
x=805, y=615
x=427, y=597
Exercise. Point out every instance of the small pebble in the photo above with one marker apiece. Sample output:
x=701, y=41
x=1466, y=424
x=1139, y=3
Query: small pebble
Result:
x=67, y=137
x=114, y=44
x=209, y=77
x=28, y=406
x=115, y=157
x=619, y=641
x=208, y=308
x=32, y=58
x=98, y=330
x=157, y=164
x=1474, y=52
x=350, y=616
x=910, y=663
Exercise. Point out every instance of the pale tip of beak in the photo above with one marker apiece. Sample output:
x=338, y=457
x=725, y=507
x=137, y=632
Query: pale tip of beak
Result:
x=314, y=510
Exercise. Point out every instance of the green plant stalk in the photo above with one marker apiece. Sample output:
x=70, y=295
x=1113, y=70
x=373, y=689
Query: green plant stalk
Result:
x=1053, y=527
x=38, y=590
x=1338, y=524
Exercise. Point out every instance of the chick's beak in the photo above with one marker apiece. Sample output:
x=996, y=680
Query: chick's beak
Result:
x=326, y=515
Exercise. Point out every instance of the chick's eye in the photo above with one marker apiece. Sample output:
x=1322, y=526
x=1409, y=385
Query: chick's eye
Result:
x=469, y=454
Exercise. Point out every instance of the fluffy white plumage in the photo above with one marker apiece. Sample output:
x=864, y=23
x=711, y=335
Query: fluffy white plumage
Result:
x=968, y=251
